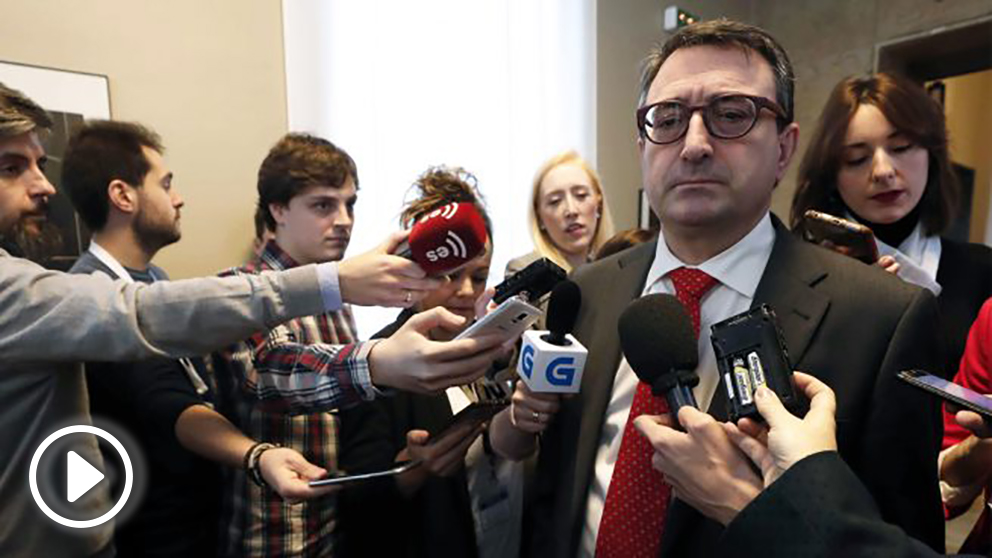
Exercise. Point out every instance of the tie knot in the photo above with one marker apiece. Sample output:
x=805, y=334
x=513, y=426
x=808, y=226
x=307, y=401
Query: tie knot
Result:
x=691, y=283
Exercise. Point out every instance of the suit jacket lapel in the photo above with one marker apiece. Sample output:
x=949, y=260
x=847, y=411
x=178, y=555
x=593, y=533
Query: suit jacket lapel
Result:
x=620, y=285
x=788, y=287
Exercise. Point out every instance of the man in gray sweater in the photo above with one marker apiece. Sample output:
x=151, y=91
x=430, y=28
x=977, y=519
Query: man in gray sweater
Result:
x=50, y=321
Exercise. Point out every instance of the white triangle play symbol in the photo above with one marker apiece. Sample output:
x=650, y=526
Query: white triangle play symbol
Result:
x=80, y=476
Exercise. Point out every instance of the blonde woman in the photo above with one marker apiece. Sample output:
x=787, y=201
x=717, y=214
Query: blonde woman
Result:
x=569, y=216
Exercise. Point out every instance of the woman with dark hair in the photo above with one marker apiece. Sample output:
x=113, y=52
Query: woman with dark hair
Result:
x=880, y=156
x=465, y=499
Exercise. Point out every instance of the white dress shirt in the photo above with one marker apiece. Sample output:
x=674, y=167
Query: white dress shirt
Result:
x=738, y=270
x=918, y=256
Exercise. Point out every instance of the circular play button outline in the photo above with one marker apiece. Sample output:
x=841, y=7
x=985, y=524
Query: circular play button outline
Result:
x=80, y=429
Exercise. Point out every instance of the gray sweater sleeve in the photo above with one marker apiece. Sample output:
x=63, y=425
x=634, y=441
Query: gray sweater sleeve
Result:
x=53, y=316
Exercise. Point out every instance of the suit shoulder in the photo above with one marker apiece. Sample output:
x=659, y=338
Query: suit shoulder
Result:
x=600, y=270
x=857, y=279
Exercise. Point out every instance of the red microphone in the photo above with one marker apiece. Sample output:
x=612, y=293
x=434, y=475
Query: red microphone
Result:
x=446, y=238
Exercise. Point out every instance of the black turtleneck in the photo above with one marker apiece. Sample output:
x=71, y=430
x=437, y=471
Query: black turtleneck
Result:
x=892, y=234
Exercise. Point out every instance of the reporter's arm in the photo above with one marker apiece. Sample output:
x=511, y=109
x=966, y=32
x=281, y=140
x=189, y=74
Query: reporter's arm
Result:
x=210, y=435
x=817, y=508
x=95, y=318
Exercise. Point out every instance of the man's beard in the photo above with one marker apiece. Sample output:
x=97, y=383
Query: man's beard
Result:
x=35, y=238
x=152, y=236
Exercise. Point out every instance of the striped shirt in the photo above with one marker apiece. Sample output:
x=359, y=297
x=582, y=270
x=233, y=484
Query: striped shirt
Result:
x=284, y=386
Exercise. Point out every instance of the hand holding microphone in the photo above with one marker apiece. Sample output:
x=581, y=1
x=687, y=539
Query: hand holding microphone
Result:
x=445, y=239
x=379, y=278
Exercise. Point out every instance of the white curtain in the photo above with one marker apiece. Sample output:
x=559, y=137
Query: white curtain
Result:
x=494, y=86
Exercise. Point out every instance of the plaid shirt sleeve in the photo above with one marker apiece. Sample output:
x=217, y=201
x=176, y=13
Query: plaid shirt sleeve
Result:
x=289, y=377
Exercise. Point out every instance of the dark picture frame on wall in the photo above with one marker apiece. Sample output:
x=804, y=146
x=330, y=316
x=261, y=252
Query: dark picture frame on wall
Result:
x=70, y=97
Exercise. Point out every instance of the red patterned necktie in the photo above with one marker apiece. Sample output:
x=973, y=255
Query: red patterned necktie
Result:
x=634, y=513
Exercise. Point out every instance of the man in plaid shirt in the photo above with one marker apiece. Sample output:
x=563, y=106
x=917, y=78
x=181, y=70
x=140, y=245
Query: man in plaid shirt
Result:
x=271, y=385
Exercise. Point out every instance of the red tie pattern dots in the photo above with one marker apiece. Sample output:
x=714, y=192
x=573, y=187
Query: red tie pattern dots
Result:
x=634, y=513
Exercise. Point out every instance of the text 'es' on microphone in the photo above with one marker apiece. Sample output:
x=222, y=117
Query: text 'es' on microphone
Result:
x=660, y=344
x=446, y=238
x=552, y=361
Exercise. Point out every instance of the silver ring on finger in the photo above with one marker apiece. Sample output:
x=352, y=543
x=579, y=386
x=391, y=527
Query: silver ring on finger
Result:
x=408, y=297
x=537, y=416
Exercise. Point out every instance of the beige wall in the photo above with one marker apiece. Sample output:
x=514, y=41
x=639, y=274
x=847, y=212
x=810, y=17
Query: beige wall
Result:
x=969, y=121
x=826, y=41
x=208, y=76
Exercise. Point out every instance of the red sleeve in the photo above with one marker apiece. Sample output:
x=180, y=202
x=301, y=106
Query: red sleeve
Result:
x=975, y=371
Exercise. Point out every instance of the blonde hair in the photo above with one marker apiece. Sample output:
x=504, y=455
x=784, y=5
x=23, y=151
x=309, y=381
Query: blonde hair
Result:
x=542, y=240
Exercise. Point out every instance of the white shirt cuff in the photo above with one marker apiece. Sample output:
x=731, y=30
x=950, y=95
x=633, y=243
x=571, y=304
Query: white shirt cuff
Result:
x=330, y=287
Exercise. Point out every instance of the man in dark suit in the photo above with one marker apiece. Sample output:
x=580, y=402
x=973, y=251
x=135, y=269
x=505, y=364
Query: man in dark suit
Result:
x=716, y=136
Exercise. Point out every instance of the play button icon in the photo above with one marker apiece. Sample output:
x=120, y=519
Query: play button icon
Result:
x=80, y=476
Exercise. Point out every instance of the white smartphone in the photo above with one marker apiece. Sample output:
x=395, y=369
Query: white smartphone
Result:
x=510, y=318
x=345, y=480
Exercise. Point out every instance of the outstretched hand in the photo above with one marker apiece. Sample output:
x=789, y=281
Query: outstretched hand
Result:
x=287, y=472
x=379, y=278
x=409, y=360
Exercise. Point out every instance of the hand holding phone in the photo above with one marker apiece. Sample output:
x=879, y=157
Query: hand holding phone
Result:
x=847, y=237
x=511, y=318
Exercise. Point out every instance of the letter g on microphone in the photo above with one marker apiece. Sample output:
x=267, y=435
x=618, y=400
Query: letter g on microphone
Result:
x=527, y=361
x=558, y=374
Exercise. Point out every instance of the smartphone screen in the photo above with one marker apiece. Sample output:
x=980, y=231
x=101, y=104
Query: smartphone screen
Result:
x=949, y=391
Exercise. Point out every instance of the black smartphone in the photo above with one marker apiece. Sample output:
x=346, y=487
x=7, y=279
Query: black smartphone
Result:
x=751, y=352
x=533, y=281
x=475, y=414
x=949, y=391
x=346, y=479
x=841, y=235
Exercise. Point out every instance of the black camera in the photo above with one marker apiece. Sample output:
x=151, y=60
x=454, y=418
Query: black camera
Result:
x=750, y=352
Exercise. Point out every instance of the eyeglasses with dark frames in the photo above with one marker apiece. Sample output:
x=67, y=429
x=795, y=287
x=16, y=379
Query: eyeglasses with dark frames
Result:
x=725, y=117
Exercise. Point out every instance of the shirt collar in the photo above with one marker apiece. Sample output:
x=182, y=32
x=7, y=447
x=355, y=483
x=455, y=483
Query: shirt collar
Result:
x=274, y=257
x=739, y=267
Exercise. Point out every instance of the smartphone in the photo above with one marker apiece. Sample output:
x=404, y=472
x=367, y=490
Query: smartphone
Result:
x=750, y=353
x=846, y=237
x=511, y=318
x=473, y=415
x=532, y=282
x=345, y=480
x=949, y=391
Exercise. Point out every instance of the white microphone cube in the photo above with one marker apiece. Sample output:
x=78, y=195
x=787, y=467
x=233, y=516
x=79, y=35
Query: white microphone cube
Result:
x=550, y=368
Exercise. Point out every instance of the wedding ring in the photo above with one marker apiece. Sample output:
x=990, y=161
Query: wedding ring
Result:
x=409, y=297
x=537, y=416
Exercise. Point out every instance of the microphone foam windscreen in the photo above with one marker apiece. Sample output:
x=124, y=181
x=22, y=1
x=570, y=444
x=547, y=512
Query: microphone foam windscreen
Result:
x=657, y=337
x=448, y=237
x=563, y=307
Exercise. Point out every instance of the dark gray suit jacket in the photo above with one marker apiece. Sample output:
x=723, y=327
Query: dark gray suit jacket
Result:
x=852, y=325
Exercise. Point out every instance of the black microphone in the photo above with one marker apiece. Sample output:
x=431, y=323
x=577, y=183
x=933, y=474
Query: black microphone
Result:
x=660, y=344
x=552, y=361
x=563, y=308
